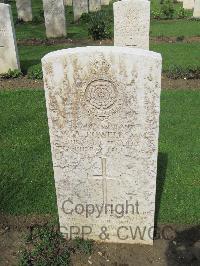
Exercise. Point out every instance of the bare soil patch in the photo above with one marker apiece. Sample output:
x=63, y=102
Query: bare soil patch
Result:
x=165, y=39
x=180, y=246
x=86, y=42
x=20, y=83
x=74, y=42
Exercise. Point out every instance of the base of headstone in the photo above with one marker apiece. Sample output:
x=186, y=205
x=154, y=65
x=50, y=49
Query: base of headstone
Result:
x=188, y=4
x=79, y=8
x=24, y=10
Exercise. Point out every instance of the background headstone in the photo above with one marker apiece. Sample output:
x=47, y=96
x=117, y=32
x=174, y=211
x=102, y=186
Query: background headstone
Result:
x=79, y=7
x=132, y=23
x=55, y=22
x=196, y=13
x=8, y=47
x=24, y=10
x=68, y=2
x=105, y=2
x=94, y=5
x=103, y=106
x=188, y=4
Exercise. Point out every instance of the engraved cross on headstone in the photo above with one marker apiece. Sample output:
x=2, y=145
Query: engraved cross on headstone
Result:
x=104, y=177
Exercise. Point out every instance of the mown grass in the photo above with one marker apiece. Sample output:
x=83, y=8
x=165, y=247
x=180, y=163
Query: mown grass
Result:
x=182, y=27
x=26, y=175
x=186, y=55
x=181, y=54
x=171, y=28
x=27, y=183
x=31, y=55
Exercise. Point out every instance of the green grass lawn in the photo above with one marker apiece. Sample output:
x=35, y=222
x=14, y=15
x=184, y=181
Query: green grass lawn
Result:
x=31, y=55
x=181, y=27
x=26, y=175
x=169, y=28
x=182, y=54
x=172, y=28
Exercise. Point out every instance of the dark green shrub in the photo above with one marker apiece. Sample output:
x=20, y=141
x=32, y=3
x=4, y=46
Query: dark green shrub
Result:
x=11, y=74
x=181, y=13
x=35, y=72
x=177, y=72
x=39, y=18
x=46, y=247
x=156, y=14
x=99, y=27
x=85, y=17
x=180, y=38
x=168, y=9
x=84, y=245
x=19, y=21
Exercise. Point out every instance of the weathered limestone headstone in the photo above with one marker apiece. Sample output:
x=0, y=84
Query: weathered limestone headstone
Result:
x=196, y=13
x=132, y=23
x=54, y=13
x=68, y=2
x=105, y=2
x=8, y=47
x=94, y=5
x=188, y=4
x=103, y=107
x=24, y=10
x=79, y=7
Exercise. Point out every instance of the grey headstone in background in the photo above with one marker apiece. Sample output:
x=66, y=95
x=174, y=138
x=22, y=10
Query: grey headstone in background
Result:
x=24, y=10
x=105, y=2
x=196, y=13
x=79, y=7
x=68, y=2
x=8, y=47
x=188, y=4
x=94, y=5
x=55, y=22
x=132, y=23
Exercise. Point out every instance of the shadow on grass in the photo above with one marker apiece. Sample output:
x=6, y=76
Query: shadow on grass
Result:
x=161, y=175
x=25, y=64
x=184, y=249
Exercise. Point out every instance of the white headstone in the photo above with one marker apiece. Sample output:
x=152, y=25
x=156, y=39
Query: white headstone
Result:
x=8, y=47
x=68, y=2
x=105, y=2
x=132, y=23
x=79, y=8
x=196, y=13
x=103, y=106
x=54, y=13
x=24, y=10
x=188, y=4
x=94, y=5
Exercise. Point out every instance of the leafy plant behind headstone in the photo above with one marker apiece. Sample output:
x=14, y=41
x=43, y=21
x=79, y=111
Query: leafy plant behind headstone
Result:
x=99, y=27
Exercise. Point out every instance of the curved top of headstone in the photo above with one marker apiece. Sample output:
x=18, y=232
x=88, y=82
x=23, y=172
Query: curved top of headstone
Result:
x=110, y=49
